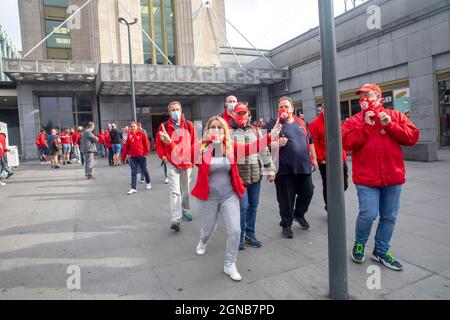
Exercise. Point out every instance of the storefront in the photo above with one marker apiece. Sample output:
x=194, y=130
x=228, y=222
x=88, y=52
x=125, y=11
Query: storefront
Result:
x=443, y=87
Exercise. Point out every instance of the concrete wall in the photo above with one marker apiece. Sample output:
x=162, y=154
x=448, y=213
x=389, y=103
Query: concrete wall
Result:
x=31, y=25
x=27, y=98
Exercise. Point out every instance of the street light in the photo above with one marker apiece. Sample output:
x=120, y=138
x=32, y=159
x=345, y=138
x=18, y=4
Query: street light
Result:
x=133, y=97
x=337, y=250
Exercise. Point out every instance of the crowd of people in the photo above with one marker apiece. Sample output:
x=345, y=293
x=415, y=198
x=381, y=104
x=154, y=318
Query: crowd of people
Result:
x=233, y=157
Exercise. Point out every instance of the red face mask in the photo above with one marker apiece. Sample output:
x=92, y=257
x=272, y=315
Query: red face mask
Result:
x=284, y=113
x=367, y=102
x=241, y=120
x=215, y=136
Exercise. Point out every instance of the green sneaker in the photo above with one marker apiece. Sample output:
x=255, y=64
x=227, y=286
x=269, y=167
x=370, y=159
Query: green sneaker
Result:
x=358, y=253
x=388, y=259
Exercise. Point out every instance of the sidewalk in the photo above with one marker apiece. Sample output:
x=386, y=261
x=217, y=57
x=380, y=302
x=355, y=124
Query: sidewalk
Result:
x=50, y=219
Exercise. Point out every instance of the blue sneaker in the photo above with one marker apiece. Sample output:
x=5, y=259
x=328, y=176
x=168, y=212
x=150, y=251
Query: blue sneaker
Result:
x=358, y=253
x=175, y=225
x=388, y=260
x=187, y=217
x=252, y=241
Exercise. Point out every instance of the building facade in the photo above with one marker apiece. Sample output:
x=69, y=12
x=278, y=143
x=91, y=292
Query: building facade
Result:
x=81, y=73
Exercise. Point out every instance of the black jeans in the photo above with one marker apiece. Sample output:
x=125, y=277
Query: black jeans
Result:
x=110, y=156
x=294, y=194
x=323, y=173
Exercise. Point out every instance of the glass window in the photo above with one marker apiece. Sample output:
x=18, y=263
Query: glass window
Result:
x=54, y=13
x=67, y=120
x=60, y=112
x=58, y=41
x=345, y=112
x=53, y=53
x=356, y=108
x=161, y=27
x=84, y=118
x=66, y=104
x=49, y=121
x=48, y=104
x=56, y=3
x=84, y=104
x=51, y=25
x=148, y=58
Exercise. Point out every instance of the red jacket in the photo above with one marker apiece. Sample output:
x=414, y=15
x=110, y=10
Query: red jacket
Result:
x=377, y=158
x=136, y=145
x=201, y=155
x=108, y=143
x=317, y=130
x=41, y=140
x=101, y=138
x=3, y=142
x=76, y=138
x=187, y=138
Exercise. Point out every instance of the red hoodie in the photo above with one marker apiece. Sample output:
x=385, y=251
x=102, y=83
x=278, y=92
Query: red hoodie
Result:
x=201, y=189
x=136, y=145
x=317, y=130
x=187, y=139
x=377, y=158
x=108, y=143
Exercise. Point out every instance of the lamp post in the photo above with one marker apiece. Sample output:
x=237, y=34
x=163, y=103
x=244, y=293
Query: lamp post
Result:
x=133, y=95
x=337, y=250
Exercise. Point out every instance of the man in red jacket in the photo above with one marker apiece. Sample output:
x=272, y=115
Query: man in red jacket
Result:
x=375, y=136
x=137, y=147
x=76, y=143
x=179, y=171
x=108, y=145
x=317, y=130
x=66, y=142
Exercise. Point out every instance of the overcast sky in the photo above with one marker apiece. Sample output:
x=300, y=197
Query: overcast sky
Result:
x=266, y=23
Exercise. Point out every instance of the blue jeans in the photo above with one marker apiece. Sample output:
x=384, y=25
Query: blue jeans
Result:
x=382, y=200
x=249, y=205
x=140, y=162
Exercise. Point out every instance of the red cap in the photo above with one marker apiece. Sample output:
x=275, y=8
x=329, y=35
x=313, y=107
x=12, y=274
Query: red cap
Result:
x=240, y=108
x=369, y=87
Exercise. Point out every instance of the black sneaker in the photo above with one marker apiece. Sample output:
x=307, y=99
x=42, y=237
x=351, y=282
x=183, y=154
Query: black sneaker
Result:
x=64, y=163
x=358, y=253
x=68, y=162
x=388, y=260
x=9, y=175
x=303, y=223
x=287, y=232
x=252, y=241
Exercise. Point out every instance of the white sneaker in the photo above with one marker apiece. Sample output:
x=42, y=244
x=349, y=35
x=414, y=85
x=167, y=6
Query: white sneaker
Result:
x=232, y=272
x=2, y=184
x=149, y=186
x=166, y=181
x=142, y=181
x=132, y=191
x=201, y=248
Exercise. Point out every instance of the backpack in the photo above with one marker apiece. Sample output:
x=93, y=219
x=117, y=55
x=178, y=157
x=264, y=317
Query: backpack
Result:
x=57, y=143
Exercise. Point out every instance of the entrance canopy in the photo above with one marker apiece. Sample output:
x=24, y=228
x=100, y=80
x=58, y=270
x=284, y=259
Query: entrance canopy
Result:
x=114, y=79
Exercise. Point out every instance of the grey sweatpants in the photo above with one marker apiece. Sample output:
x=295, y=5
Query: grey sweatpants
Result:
x=209, y=211
x=89, y=163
